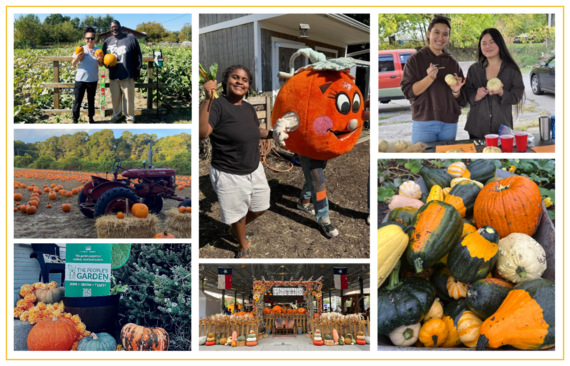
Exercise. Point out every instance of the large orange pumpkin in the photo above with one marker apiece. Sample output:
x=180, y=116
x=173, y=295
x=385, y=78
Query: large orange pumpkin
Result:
x=140, y=210
x=52, y=335
x=302, y=310
x=511, y=205
x=330, y=109
x=137, y=338
x=277, y=309
x=110, y=60
x=266, y=311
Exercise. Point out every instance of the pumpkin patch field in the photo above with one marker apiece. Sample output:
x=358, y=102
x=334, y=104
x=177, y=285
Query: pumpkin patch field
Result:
x=466, y=257
x=46, y=204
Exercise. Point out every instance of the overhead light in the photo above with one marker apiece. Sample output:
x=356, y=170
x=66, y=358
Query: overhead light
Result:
x=304, y=30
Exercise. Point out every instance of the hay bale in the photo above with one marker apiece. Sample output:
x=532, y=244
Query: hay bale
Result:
x=109, y=226
x=178, y=224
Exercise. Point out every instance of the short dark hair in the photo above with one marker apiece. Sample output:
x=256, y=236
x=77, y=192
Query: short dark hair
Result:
x=438, y=19
x=227, y=72
x=115, y=21
x=88, y=30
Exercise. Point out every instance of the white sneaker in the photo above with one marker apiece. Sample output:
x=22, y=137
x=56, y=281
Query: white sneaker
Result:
x=308, y=209
x=329, y=230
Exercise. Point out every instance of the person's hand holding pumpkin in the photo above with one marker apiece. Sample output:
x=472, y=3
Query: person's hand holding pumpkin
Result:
x=289, y=122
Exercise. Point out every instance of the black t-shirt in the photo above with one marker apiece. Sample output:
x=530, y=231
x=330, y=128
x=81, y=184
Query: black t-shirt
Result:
x=235, y=137
x=129, y=56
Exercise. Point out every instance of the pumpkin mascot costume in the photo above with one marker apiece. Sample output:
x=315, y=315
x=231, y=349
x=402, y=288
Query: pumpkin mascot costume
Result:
x=319, y=112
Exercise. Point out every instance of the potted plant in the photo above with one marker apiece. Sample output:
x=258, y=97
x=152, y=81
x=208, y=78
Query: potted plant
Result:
x=299, y=328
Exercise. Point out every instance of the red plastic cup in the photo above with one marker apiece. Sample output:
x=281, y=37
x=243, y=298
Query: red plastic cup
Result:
x=522, y=138
x=492, y=140
x=507, y=143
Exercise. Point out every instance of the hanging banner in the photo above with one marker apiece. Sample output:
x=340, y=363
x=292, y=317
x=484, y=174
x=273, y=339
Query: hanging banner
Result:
x=88, y=270
x=340, y=278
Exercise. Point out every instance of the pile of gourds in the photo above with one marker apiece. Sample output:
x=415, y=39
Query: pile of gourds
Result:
x=446, y=281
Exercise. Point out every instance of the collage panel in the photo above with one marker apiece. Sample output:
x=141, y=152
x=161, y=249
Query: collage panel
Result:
x=466, y=254
x=466, y=83
x=102, y=297
x=303, y=79
x=102, y=183
x=284, y=307
x=102, y=68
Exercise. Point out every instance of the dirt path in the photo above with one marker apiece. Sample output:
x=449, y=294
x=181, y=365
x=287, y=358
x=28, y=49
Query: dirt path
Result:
x=284, y=231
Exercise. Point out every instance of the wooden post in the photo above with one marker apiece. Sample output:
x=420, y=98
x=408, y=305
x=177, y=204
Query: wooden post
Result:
x=149, y=90
x=56, y=80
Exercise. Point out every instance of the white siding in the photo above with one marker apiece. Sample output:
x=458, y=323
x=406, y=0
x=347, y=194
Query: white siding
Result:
x=26, y=269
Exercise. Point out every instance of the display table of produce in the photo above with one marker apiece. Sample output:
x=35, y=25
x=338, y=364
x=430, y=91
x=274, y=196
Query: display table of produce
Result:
x=460, y=270
x=480, y=144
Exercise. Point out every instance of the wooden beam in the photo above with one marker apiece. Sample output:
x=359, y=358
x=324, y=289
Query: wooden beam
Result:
x=70, y=58
x=108, y=112
x=137, y=85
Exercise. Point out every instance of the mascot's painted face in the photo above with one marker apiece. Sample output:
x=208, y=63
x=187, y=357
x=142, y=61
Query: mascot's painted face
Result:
x=329, y=107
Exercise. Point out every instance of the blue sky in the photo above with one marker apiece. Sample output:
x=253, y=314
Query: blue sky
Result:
x=172, y=22
x=33, y=135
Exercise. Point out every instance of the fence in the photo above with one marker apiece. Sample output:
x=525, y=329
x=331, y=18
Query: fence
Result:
x=297, y=318
x=343, y=329
x=226, y=330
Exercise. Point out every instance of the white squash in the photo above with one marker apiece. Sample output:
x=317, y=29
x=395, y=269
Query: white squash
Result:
x=454, y=181
x=435, y=312
x=492, y=150
x=450, y=80
x=406, y=335
x=458, y=169
x=382, y=146
x=521, y=258
x=446, y=191
x=410, y=189
x=494, y=84
x=400, y=146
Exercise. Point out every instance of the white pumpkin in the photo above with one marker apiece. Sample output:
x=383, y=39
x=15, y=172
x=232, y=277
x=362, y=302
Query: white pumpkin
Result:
x=411, y=189
x=450, y=80
x=435, y=312
x=406, y=335
x=454, y=181
x=494, y=84
x=521, y=258
x=492, y=150
x=382, y=146
x=400, y=146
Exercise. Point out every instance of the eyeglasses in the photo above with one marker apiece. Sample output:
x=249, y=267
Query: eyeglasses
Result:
x=90, y=38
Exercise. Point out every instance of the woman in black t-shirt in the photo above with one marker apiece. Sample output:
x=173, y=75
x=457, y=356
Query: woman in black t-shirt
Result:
x=236, y=172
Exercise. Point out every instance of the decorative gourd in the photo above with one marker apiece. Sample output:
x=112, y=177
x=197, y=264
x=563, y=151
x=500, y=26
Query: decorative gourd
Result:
x=392, y=242
x=482, y=170
x=511, y=205
x=521, y=258
x=485, y=296
x=455, y=288
x=97, y=342
x=403, y=301
x=400, y=146
x=50, y=296
x=202, y=340
x=456, y=181
x=492, y=150
x=399, y=200
x=382, y=146
x=475, y=256
x=410, y=189
x=439, y=280
x=234, y=344
x=468, y=228
x=446, y=191
x=435, y=312
x=433, y=333
x=458, y=169
x=328, y=337
x=234, y=336
x=110, y=60
x=435, y=176
x=403, y=215
x=348, y=339
x=468, y=328
x=435, y=194
x=140, y=210
x=223, y=340
x=525, y=320
x=335, y=335
x=451, y=317
x=462, y=196
x=138, y=338
x=318, y=343
x=437, y=227
x=99, y=53
x=406, y=335
x=494, y=84
x=55, y=334
x=450, y=80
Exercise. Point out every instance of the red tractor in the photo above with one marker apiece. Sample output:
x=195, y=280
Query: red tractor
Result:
x=103, y=196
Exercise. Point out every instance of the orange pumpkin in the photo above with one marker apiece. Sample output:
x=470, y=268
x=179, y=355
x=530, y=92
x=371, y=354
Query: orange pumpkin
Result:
x=110, y=60
x=48, y=205
x=140, y=210
x=182, y=209
x=66, y=207
x=137, y=338
x=120, y=215
x=164, y=235
x=302, y=310
x=52, y=196
x=266, y=311
x=330, y=110
x=17, y=196
x=31, y=210
x=277, y=309
x=188, y=209
x=55, y=334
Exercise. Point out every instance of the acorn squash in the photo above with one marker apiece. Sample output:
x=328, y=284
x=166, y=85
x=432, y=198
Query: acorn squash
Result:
x=463, y=197
x=525, y=320
x=392, y=242
x=485, y=296
x=439, y=280
x=403, y=215
x=403, y=301
x=474, y=257
x=435, y=176
x=437, y=228
x=482, y=170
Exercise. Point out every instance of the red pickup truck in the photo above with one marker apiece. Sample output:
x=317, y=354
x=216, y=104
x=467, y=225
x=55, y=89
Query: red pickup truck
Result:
x=390, y=70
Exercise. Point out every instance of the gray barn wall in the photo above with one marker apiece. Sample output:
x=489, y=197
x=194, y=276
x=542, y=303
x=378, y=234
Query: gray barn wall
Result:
x=211, y=19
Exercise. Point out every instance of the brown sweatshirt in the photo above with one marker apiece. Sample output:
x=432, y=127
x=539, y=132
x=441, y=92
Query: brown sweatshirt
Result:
x=437, y=103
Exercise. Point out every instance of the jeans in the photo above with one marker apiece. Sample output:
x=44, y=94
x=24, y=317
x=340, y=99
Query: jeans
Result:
x=433, y=131
x=79, y=92
x=314, y=187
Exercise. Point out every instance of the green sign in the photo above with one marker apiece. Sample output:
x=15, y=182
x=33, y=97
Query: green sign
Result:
x=87, y=270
